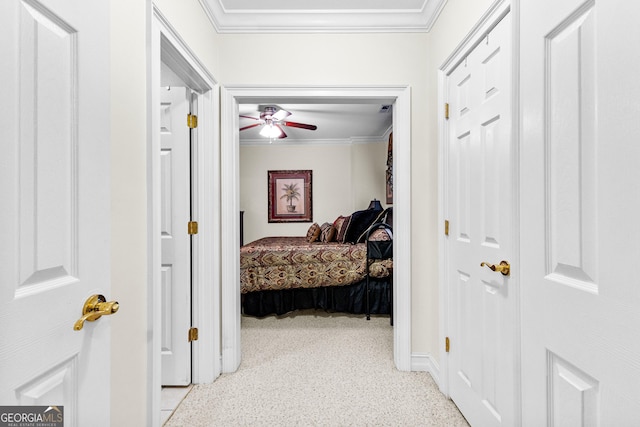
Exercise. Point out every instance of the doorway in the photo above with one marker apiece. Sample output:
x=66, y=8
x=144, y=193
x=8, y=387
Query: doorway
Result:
x=231, y=97
x=169, y=49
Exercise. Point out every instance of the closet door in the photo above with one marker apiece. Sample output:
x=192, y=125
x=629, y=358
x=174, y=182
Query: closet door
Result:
x=482, y=323
x=176, y=242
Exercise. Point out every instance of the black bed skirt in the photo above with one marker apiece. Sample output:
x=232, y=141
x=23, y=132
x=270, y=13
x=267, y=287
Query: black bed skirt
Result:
x=343, y=299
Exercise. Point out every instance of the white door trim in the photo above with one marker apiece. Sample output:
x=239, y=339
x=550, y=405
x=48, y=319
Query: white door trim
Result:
x=167, y=43
x=230, y=205
x=493, y=15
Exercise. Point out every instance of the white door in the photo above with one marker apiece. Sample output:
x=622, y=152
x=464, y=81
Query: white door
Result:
x=482, y=303
x=55, y=209
x=176, y=242
x=580, y=204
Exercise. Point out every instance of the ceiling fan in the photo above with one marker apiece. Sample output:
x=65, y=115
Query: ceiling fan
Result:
x=272, y=119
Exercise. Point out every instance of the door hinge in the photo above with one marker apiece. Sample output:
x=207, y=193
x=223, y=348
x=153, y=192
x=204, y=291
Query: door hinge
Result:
x=446, y=110
x=446, y=344
x=192, y=227
x=193, y=334
x=446, y=227
x=192, y=121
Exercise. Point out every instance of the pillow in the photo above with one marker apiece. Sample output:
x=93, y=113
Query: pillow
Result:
x=327, y=233
x=378, y=235
x=341, y=224
x=360, y=222
x=338, y=223
x=313, y=233
x=379, y=219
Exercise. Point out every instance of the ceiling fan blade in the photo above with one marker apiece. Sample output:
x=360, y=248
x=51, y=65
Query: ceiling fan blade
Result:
x=280, y=115
x=249, y=117
x=284, y=135
x=251, y=126
x=299, y=125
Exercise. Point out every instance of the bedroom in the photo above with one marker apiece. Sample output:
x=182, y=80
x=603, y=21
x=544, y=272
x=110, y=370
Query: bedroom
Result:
x=347, y=157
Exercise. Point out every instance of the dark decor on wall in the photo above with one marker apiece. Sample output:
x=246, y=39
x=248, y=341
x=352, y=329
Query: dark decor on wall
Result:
x=389, y=175
x=290, y=196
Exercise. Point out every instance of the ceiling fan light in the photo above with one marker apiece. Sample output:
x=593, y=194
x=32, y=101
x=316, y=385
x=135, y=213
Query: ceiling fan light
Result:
x=270, y=131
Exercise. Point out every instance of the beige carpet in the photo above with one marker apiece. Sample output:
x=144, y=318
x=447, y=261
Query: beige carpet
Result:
x=317, y=369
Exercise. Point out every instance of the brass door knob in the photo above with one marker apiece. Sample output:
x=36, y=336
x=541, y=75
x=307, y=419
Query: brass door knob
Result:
x=503, y=267
x=95, y=307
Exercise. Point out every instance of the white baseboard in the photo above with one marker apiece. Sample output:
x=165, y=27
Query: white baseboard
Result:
x=426, y=363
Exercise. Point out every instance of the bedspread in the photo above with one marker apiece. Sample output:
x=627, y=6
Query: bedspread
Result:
x=275, y=263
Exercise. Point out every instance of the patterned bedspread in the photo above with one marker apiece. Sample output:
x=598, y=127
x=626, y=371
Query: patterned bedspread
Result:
x=274, y=263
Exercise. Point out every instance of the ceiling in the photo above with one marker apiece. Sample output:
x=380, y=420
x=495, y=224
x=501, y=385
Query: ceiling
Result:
x=313, y=16
x=337, y=123
x=343, y=123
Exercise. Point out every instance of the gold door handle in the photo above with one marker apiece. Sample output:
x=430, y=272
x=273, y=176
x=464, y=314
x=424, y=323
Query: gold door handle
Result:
x=95, y=307
x=503, y=267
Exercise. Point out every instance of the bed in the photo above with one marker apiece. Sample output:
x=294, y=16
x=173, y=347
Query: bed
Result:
x=327, y=269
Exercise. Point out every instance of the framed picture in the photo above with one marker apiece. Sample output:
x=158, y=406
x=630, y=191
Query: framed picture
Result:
x=290, y=196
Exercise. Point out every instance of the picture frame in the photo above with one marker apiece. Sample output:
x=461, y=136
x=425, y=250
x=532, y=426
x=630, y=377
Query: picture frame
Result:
x=290, y=196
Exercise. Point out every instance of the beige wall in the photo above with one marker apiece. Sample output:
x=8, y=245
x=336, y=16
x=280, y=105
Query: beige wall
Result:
x=455, y=22
x=345, y=178
x=369, y=166
x=129, y=213
x=130, y=23
x=304, y=59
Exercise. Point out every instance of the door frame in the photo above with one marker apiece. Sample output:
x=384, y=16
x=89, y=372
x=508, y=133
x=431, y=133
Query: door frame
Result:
x=492, y=16
x=167, y=44
x=231, y=96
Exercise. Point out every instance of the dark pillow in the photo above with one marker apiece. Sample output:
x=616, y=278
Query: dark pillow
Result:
x=360, y=222
x=327, y=233
x=313, y=233
x=382, y=217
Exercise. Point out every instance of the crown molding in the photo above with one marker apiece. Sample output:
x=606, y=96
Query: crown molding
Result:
x=323, y=21
x=354, y=140
x=308, y=142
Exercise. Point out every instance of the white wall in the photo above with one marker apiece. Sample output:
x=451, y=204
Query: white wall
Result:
x=345, y=179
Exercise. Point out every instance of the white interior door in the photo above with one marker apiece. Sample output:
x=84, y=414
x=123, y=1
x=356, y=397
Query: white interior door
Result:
x=176, y=242
x=580, y=201
x=482, y=303
x=55, y=209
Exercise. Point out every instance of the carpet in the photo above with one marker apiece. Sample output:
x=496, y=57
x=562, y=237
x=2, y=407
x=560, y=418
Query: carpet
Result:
x=313, y=368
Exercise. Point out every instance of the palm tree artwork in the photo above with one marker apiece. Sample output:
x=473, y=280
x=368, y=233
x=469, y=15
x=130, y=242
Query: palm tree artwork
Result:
x=289, y=196
x=291, y=193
